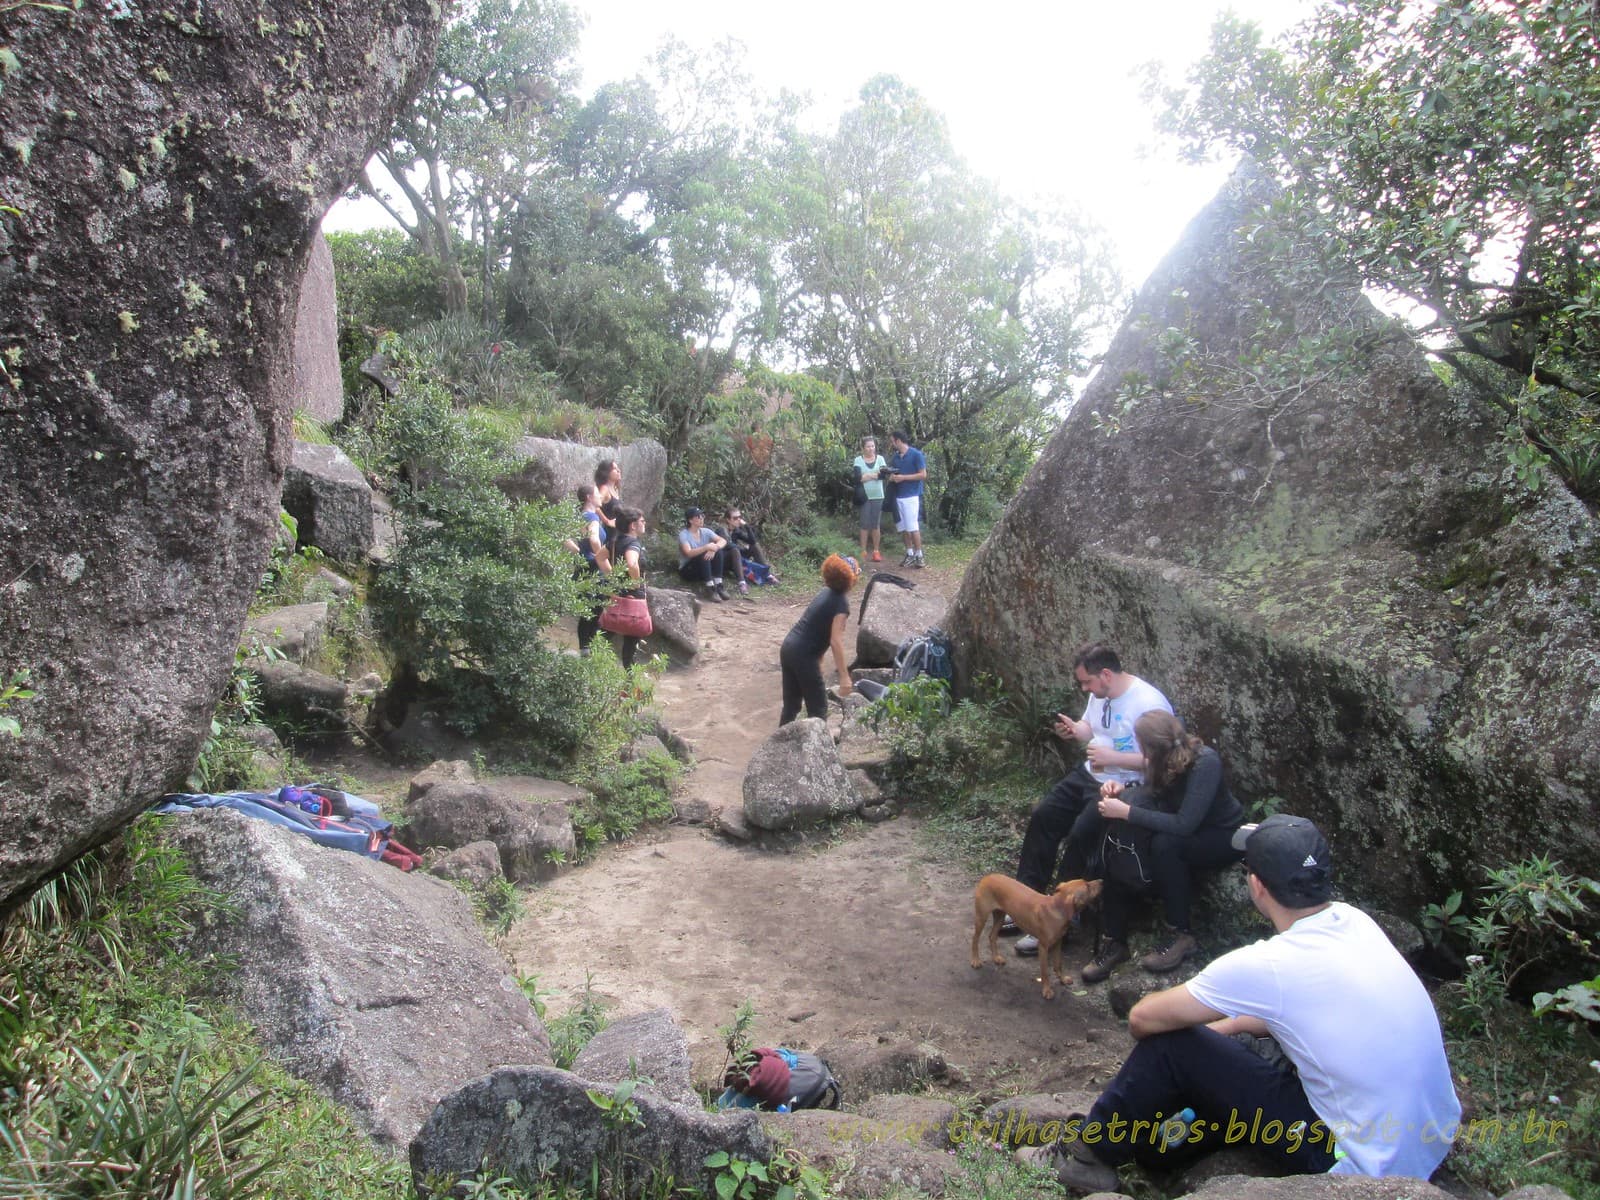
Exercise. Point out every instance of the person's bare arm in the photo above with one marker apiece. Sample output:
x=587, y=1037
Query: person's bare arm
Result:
x=836, y=643
x=1229, y=1026
x=1175, y=1008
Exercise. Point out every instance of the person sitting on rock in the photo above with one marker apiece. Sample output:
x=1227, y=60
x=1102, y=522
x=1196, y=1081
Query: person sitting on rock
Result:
x=1370, y=1090
x=1068, y=811
x=754, y=564
x=779, y=1080
x=1191, y=817
x=702, y=554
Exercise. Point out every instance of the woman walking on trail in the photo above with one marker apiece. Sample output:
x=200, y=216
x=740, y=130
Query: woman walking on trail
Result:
x=1186, y=805
x=820, y=628
x=594, y=559
x=630, y=557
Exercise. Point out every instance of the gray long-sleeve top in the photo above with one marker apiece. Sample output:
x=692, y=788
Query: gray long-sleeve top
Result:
x=1199, y=796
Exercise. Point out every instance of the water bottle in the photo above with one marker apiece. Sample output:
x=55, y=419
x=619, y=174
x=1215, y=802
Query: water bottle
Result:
x=783, y=1108
x=1176, y=1128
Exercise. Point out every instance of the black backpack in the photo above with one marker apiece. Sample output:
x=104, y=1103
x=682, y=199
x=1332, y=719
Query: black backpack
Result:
x=1125, y=856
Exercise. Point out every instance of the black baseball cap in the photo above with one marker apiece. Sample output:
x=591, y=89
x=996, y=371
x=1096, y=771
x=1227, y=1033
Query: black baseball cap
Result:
x=693, y=513
x=1289, y=855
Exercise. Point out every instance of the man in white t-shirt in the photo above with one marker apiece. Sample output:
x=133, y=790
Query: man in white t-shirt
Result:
x=1069, y=811
x=1370, y=1092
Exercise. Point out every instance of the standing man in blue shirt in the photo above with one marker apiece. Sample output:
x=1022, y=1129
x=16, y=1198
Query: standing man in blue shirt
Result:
x=907, y=469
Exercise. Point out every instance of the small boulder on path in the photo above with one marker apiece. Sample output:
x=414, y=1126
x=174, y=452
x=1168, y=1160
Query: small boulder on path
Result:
x=296, y=631
x=373, y=985
x=529, y=825
x=892, y=615
x=528, y=1121
x=650, y=1045
x=675, y=614
x=795, y=779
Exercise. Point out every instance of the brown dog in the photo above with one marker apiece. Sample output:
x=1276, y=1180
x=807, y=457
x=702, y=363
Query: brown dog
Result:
x=1046, y=917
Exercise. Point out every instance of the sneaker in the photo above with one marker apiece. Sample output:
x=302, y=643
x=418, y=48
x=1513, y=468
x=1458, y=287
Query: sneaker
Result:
x=1085, y=1175
x=1110, y=955
x=1027, y=945
x=876, y=557
x=713, y=595
x=918, y=563
x=744, y=587
x=1009, y=928
x=1170, y=957
x=906, y=561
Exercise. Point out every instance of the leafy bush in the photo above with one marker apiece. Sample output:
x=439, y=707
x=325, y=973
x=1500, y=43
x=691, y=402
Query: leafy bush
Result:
x=476, y=578
x=624, y=795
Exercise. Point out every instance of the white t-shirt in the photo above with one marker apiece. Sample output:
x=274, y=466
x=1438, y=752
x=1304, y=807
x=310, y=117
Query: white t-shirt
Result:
x=1359, y=1026
x=1112, y=721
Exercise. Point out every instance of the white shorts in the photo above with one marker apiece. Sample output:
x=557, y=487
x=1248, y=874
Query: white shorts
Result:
x=906, y=513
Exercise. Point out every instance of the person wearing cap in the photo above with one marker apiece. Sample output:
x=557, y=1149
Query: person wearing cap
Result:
x=1107, y=732
x=1370, y=1093
x=702, y=554
x=820, y=628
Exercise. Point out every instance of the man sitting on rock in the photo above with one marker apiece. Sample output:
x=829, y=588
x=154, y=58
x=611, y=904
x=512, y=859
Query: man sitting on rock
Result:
x=1070, y=810
x=1370, y=1090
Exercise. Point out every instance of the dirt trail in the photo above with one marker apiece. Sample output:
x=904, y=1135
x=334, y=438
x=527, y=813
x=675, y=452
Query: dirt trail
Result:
x=865, y=937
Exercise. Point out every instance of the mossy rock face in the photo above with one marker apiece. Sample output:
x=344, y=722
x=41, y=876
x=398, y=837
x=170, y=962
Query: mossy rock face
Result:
x=1318, y=552
x=165, y=169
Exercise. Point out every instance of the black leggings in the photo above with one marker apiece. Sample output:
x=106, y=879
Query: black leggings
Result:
x=802, y=681
x=1174, y=861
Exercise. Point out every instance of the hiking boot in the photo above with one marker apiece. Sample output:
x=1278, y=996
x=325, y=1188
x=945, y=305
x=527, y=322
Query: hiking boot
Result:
x=1170, y=957
x=1111, y=953
x=1027, y=945
x=713, y=595
x=1075, y=1168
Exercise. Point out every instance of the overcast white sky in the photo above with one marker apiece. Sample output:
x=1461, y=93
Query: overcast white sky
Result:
x=1038, y=93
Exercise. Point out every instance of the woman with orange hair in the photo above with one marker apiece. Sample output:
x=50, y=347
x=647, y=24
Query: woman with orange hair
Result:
x=819, y=628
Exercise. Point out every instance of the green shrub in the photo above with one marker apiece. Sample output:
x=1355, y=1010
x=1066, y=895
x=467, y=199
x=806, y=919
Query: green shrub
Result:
x=623, y=796
x=574, y=1029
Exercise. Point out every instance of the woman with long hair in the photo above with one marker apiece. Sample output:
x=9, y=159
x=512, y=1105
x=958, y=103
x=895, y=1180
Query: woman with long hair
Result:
x=1190, y=815
x=820, y=628
x=593, y=560
x=629, y=557
x=608, y=494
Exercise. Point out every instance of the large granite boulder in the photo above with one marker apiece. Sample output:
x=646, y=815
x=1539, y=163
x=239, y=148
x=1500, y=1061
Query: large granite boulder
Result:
x=795, y=779
x=316, y=386
x=892, y=614
x=331, y=500
x=532, y=1122
x=553, y=470
x=374, y=985
x=1322, y=557
x=162, y=213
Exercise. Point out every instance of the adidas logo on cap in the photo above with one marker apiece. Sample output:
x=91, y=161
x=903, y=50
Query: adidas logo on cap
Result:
x=1311, y=861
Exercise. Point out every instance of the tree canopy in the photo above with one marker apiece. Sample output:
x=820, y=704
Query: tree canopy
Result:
x=1444, y=153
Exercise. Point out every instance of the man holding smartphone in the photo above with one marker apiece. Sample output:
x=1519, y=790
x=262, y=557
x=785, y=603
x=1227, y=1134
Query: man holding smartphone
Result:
x=1070, y=810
